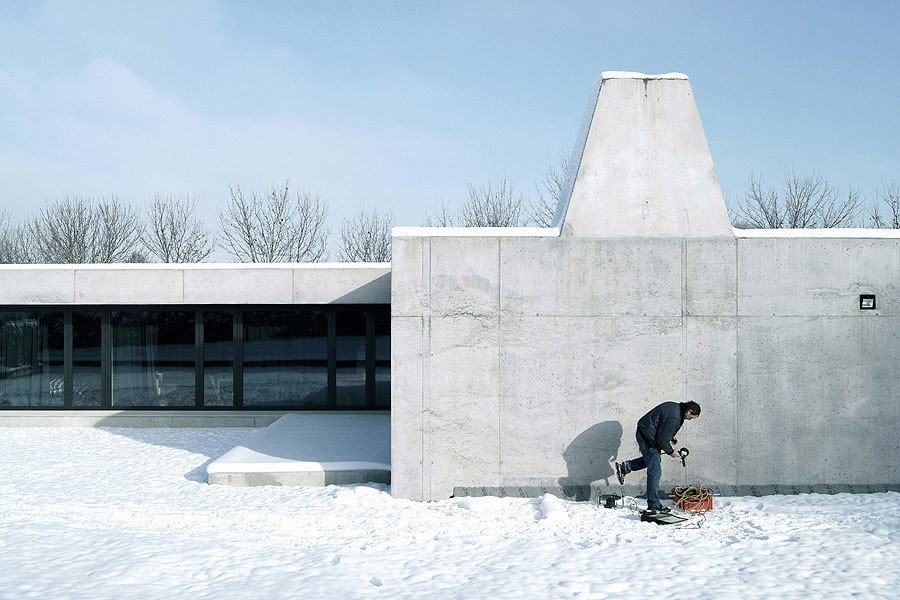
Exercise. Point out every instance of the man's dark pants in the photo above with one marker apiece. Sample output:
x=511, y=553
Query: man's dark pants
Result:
x=650, y=460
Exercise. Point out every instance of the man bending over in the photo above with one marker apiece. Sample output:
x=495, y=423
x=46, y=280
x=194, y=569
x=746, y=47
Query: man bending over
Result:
x=655, y=435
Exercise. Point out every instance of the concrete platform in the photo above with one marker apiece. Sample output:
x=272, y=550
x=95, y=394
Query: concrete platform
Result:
x=138, y=418
x=313, y=449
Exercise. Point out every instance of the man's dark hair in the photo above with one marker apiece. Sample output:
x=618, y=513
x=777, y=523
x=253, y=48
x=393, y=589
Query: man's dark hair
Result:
x=690, y=406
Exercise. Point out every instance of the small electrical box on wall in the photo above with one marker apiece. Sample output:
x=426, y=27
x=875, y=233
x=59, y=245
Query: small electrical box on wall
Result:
x=867, y=302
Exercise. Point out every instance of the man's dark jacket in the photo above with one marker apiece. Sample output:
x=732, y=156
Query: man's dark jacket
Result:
x=660, y=425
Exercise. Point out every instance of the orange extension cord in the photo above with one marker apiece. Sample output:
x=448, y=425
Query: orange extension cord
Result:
x=694, y=500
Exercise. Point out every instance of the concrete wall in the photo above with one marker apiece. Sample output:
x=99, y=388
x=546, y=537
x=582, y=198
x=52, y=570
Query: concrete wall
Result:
x=522, y=359
x=519, y=373
x=173, y=284
x=817, y=378
x=509, y=371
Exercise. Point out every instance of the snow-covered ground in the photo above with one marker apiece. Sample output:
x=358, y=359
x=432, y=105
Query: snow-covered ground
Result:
x=125, y=513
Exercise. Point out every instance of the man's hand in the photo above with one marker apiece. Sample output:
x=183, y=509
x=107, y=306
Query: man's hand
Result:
x=674, y=454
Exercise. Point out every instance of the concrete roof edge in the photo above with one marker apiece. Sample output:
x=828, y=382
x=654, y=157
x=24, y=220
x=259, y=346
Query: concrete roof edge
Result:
x=857, y=232
x=399, y=232
x=636, y=75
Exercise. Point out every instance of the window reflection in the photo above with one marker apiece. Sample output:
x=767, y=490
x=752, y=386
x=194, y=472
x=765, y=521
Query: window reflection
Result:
x=382, y=358
x=87, y=374
x=350, y=327
x=218, y=358
x=285, y=359
x=31, y=359
x=152, y=358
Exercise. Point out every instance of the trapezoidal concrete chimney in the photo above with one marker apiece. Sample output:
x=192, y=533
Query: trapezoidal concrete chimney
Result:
x=642, y=167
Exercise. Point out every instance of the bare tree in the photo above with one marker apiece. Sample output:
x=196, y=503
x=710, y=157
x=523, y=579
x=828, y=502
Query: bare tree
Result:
x=759, y=209
x=889, y=195
x=62, y=232
x=807, y=201
x=83, y=230
x=174, y=234
x=275, y=227
x=443, y=218
x=120, y=231
x=733, y=207
x=366, y=237
x=493, y=205
x=543, y=210
x=489, y=205
x=11, y=243
x=138, y=256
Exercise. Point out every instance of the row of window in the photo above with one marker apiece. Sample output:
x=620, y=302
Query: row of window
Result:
x=195, y=357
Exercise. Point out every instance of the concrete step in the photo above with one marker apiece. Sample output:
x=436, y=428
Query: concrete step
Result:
x=314, y=449
x=138, y=418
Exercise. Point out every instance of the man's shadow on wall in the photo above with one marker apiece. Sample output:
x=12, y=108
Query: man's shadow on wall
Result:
x=588, y=458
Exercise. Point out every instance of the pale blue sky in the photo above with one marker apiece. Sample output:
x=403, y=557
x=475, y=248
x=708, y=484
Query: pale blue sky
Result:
x=401, y=104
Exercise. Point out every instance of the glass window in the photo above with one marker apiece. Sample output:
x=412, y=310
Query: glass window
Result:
x=153, y=362
x=218, y=358
x=31, y=359
x=382, y=358
x=285, y=361
x=350, y=328
x=87, y=374
x=130, y=357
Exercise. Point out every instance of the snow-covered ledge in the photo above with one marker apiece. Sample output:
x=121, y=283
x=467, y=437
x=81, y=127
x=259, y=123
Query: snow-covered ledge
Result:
x=402, y=232
x=867, y=233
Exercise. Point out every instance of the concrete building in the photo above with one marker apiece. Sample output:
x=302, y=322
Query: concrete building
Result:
x=210, y=341
x=522, y=359
x=517, y=361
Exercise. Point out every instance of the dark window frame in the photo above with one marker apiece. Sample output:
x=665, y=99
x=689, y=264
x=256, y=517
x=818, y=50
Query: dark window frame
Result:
x=370, y=311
